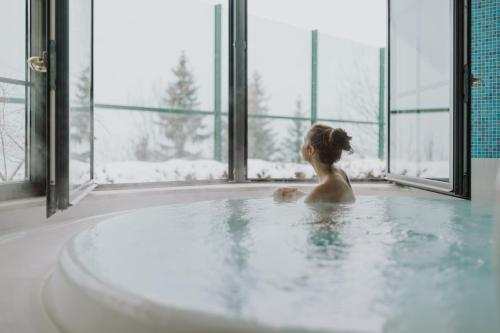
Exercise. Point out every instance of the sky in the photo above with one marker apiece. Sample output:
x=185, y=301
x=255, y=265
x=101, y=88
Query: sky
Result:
x=358, y=20
x=134, y=52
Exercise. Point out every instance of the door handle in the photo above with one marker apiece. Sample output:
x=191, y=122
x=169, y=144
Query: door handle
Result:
x=38, y=64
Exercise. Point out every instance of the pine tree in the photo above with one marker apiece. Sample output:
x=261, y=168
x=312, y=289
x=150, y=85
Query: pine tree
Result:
x=80, y=117
x=180, y=130
x=296, y=133
x=261, y=138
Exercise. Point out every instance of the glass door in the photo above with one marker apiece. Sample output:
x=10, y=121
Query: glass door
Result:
x=70, y=120
x=80, y=91
x=22, y=99
x=423, y=93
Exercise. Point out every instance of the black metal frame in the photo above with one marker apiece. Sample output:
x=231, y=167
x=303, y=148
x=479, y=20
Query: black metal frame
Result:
x=238, y=128
x=62, y=104
x=27, y=73
x=50, y=193
x=60, y=195
x=459, y=184
x=462, y=107
x=230, y=117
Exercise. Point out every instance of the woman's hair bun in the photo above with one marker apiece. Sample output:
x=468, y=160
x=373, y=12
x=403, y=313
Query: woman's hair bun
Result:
x=340, y=140
x=328, y=142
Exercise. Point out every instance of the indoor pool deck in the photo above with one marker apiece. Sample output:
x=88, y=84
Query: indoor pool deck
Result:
x=30, y=244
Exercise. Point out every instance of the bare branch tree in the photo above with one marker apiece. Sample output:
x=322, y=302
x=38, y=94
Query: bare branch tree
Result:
x=295, y=134
x=12, y=149
x=362, y=91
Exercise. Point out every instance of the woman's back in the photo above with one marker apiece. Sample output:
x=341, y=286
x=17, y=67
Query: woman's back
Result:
x=335, y=188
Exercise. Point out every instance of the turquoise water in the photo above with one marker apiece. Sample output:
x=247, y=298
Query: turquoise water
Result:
x=391, y=264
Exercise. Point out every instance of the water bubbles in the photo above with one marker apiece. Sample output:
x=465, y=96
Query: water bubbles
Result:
x=392, y=262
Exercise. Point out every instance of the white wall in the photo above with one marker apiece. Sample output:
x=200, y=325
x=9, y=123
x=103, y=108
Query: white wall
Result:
x=484, y=179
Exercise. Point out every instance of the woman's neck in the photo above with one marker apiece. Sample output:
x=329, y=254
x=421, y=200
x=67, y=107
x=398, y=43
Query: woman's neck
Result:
x=322, y=170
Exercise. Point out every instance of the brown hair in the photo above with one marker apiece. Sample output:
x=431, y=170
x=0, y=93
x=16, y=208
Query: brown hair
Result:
x=329, y=142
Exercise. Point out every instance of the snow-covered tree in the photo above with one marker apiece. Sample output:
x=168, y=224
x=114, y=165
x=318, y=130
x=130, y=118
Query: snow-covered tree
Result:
x=261, y=139
x=295, y=134
x=80, y=118
x=181, y=130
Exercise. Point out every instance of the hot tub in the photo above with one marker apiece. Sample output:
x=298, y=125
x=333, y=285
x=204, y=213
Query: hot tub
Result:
x=385, y=263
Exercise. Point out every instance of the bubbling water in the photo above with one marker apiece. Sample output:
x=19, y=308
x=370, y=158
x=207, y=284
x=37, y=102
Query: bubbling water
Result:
x=382, y=264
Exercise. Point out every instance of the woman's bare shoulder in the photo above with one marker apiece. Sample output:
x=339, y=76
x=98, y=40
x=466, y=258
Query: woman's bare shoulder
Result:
x=323, y=193
x=315, y=195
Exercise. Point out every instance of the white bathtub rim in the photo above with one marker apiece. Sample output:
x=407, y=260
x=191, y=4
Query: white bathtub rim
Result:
x=114, y=309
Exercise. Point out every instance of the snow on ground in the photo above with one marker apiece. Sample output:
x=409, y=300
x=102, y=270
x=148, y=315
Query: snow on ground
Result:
x=356, y=168
x=426, y=169
x=189, y=170
x=185, y=170
x=172, y=170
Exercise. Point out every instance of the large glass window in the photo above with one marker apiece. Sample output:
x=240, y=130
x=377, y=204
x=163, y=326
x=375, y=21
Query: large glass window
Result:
x=13, y=91
x=161, y=100
x=420, y=77
x=159, y=109
x=320, y=62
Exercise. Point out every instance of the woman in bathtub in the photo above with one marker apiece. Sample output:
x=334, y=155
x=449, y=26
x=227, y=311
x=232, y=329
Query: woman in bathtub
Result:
x=322, y=148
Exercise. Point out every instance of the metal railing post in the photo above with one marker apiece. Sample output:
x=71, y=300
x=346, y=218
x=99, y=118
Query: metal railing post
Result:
x=381, y=94
x=314, y=76
x=217, y=83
